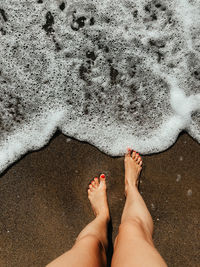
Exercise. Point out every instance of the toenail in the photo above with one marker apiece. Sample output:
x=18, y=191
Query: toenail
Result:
x=102, y=175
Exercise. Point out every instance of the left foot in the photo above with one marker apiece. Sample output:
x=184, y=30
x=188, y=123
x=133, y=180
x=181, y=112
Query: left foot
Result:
x=98, y=198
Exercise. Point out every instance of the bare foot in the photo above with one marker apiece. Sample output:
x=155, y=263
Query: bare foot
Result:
x=133, y=167
x=98, y=198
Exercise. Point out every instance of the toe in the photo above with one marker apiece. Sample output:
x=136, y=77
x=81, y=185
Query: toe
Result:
x=139, y=159
x=137, y=156
x=96, y=180
x=133, y=154
x=90, y=187
x=102, y=178
x=128, y=152
x=93, y=184
x=140, y=163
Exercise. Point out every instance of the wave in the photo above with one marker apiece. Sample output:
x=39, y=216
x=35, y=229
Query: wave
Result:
x=116, y=74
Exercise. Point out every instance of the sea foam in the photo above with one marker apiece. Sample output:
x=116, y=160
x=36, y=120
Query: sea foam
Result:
x=116, y=74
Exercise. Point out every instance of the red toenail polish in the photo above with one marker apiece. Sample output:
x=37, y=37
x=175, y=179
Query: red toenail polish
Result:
x=103, y=176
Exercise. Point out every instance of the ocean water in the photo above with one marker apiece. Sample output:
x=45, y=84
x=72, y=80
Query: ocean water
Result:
x=116, y=74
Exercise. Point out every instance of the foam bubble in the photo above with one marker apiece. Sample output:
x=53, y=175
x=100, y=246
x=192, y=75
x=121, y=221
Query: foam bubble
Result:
x=178, y=178
x=189, y=192
x=116, y=74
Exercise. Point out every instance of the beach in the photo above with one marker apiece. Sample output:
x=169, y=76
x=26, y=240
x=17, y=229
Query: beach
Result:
x=44, y=205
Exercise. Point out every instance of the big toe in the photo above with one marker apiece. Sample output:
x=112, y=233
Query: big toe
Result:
x=128, y=153
x=102, y=178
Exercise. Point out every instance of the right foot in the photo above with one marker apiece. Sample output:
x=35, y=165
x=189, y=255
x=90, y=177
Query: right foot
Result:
x=133, y=167
x=98, y=198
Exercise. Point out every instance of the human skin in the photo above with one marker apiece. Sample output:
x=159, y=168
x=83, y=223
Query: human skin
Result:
x=133, y=245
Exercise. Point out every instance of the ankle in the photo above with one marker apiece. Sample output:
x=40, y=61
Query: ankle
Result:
x=130, y=189
x=104, y=216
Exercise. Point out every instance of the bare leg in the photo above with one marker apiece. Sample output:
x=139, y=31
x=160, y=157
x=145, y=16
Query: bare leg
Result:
x=91, y=244
x=134, y=245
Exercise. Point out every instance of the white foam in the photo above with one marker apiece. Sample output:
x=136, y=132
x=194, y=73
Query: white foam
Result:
x=116, y=74
x=178, y=178
x=153, y=206
x=31, y=136
x=189, y=192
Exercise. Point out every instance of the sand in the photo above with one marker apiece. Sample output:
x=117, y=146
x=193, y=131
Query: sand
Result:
x=44, y=203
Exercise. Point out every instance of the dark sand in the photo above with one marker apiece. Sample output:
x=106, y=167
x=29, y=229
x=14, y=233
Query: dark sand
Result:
x=44, y=203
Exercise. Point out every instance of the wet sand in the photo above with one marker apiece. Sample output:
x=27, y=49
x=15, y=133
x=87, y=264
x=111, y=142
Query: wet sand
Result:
x=44, y=205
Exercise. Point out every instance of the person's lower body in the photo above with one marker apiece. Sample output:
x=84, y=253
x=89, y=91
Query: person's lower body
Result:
x=91, y=244
x=133, y=245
